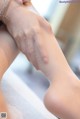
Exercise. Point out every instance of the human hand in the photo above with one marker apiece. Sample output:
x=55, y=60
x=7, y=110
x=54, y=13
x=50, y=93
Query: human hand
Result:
x=28, y=29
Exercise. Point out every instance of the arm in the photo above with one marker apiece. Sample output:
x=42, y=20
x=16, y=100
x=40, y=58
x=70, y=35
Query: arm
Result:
x=34, y=33
x=25, y=31
x=49, y=58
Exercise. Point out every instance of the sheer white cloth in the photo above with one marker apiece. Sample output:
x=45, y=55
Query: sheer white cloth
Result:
x=22, y=101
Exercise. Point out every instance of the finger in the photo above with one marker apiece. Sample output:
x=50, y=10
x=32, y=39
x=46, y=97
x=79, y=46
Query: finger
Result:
x=31, y=53
x=41, y=47
x=29, y=47
x=21, y=42
x=17, y=40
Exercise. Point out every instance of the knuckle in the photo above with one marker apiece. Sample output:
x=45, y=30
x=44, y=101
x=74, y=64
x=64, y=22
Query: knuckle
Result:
x=36, y=30
x=15, y=36
x=25, y=35
x=18, y=36
x=49, y=27
x=28, y=33
x=25, y=32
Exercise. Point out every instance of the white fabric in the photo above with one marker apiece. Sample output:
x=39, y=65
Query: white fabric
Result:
x=22, y=101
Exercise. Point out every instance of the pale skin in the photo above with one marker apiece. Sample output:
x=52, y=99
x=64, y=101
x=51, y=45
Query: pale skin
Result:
x=62, y=97
x=8, y=52
x=3, y=107
x=25, y=31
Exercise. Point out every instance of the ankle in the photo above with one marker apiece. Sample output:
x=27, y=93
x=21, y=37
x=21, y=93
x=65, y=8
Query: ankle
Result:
x=51, y=102
x=9, y=12
x=57, y=94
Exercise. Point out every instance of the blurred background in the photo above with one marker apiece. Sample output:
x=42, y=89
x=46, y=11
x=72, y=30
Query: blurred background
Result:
x=65, y=22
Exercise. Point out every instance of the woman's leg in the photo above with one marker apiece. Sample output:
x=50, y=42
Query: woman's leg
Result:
x=63, y=95
x=3, y=106
x=8, y=51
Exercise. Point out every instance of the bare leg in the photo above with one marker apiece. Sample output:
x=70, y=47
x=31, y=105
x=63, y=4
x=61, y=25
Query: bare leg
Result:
x=63, y=95
x=3, y=107
x=8, y=51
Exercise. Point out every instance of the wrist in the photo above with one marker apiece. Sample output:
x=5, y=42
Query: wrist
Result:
x=3, y=7
x=9, y=12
